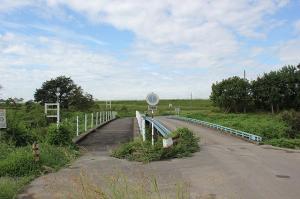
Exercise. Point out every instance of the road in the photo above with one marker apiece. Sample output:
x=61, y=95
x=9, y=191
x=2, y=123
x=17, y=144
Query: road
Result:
x=228, y=167
x=225, y=168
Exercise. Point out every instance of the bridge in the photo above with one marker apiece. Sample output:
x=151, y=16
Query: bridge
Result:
x=227, y=166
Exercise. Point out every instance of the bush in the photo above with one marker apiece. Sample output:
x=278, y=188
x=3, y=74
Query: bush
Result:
x=141, y=151
x=61, y=136
x=286, y=143
x=20, y=161
x=18, y=133
x=292, y=118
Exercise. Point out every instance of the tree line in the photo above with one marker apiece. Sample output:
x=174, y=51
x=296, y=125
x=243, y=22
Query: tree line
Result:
x=273, y=91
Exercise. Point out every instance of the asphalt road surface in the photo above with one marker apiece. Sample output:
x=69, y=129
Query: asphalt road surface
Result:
x=228, y=167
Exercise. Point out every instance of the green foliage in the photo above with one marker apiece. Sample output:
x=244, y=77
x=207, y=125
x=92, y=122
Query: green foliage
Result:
x=232, y=94
x=61, y=136
x=283, y=142
x=17, y=131
x=10, y=186
x=292, y=118
x=70, y=94
x=20, y=162
x=274, y=90
x=266, y=125
x=141, y=151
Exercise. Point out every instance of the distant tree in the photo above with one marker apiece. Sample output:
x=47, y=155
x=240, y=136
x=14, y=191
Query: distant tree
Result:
x=232, y=94
x=277, y=89
x=69, y=95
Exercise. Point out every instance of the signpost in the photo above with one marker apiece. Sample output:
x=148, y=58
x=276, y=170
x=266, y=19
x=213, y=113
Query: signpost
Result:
x=3, y=124
x=152, y=100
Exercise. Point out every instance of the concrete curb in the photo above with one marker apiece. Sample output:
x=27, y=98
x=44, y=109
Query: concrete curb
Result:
x=266, y=146
x=83, y=135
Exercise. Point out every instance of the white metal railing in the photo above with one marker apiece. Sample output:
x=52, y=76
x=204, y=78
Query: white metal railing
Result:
x=141, y=123
x=96, y=119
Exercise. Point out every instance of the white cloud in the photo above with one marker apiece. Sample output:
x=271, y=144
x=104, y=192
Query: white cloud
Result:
x=191, y=43
x=297, y=26
x=8, y=5
x=205, y=29
x=289, y=52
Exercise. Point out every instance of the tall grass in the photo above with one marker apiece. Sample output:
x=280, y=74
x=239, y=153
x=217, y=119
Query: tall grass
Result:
x=119, y=186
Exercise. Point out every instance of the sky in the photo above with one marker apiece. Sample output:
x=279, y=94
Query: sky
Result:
x=124, y=49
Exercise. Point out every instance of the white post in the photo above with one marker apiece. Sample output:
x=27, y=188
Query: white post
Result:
x=152, y=134
x=143, y=130
x=100, y=118
x=85, y=122
x=77, y=125
x=58, y=114
x=92, y=120
x=97, y=114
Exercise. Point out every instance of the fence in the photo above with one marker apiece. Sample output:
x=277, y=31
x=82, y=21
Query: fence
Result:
x=245, y=135
x=86, y=121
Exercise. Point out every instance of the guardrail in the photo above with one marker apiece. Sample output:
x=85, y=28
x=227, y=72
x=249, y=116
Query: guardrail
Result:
x=159, y=127
x=242, y=134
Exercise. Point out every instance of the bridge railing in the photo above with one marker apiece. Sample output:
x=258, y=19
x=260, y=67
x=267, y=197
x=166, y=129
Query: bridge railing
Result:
x=141, y=123
x=238, y=133
x=157, y=125
x=88, y=121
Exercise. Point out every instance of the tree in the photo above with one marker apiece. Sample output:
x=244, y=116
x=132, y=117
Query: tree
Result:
x=277, y=89
x=69, y=94
x=232, y=94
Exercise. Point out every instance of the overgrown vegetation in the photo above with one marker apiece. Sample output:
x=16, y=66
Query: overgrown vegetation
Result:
x=137, y=150
x=17, y=165
x=120, y=186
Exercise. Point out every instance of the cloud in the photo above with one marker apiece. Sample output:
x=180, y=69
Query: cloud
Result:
x=196, y=34
x=297, y=27
x=288, y=52
x=179, y=47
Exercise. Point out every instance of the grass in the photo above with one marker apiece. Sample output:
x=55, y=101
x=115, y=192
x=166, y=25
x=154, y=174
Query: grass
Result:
x=266, y=125
x=119, y=186
x=285, y=143
x=137, y=150
x=10, y=186
x=17, y=165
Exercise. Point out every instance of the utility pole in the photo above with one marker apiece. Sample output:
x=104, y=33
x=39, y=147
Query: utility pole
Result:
x=244, y=74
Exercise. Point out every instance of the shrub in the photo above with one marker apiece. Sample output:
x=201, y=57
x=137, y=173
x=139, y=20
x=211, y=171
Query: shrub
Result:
x=141, y=151
x=292, y=118
x=61, y=136
x=20, y=161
